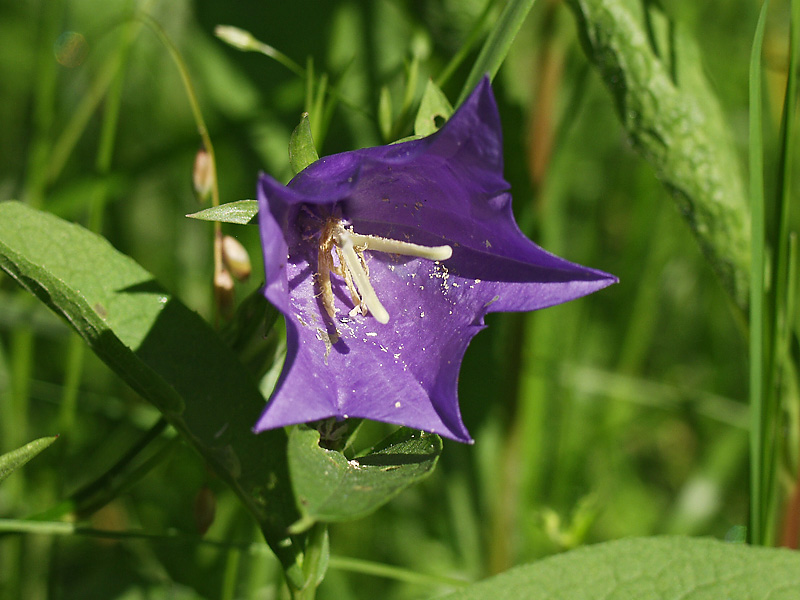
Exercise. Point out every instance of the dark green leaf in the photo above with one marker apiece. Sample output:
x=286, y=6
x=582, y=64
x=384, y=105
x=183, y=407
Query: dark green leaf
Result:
x=434, y=110
x=162, y=349
x=301, y=146
x=328, y=487
x=663, y=568
x=11, y=461
x=241, y=212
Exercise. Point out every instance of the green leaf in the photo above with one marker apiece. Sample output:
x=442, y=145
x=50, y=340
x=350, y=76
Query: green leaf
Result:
x=761, y=492
x=654, y=71
x=240, y=212
x=385, y=119
x=663, y=568
x=301, y=146
x=11, y=461
x=163, y=350
x=355, y=488
x=434, y=110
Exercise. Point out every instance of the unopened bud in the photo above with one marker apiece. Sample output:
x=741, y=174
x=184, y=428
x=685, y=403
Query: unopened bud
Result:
x=204, y=509
x=238, y=38
x=235, y=258
x=202, y=175
x=223, y=292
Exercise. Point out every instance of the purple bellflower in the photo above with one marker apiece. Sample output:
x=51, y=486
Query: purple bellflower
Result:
x=384, y=262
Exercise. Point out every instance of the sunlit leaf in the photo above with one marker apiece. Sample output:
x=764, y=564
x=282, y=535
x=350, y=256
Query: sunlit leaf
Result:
x=162, y=349
x=240, y=212
x=434, y=110
x=653, y=568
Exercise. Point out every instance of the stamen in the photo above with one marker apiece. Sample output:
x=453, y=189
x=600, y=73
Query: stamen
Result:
x=379, y=244
x=353, y=268
x=344, y=240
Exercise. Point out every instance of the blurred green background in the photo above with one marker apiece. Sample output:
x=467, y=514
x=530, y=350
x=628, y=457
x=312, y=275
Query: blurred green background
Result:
x=616, y=415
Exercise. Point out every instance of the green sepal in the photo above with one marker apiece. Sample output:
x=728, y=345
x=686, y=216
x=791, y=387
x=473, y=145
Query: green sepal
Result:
x=301, y=146
x=434, y=110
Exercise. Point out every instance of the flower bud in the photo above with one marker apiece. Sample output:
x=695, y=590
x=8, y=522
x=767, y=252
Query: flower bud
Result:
x=204, y=509
x=238, y=38
x=223, y=292
x=235, y=258
x=202, y=175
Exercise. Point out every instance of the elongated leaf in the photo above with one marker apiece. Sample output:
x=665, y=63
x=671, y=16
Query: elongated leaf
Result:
x=11, y=461
x=328, y=487
x=673, y=118
x=434, y=110
x=301, y=146
x=240, y=212
x=664, y=568
x=160, y=348
x=760, y=492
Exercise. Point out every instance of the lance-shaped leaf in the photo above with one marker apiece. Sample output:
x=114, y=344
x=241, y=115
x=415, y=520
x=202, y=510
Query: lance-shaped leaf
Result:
x=301, y=146
x=240, y=212
x=162, y=349
x=11, y=461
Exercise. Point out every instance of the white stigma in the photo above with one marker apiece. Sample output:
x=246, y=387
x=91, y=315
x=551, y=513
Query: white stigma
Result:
x=379, y=244
x=344, y=241
x=349, y=246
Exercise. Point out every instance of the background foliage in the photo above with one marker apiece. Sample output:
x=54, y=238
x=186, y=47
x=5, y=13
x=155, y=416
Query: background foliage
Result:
x=620, y=414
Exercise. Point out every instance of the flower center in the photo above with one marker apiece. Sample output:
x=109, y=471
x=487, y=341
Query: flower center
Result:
x=352, y=267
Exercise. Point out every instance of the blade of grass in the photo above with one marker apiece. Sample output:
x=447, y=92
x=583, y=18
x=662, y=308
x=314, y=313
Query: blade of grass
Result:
x=66, y=142
x=757, y=308
x=465, y=48
x=496, y=46
x=777, y=296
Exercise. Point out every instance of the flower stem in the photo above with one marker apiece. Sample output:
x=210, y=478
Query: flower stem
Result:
x=202, y=129
x=315, y=562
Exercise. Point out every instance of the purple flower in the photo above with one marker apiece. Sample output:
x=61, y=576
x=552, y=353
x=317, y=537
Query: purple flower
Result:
x=384, y=262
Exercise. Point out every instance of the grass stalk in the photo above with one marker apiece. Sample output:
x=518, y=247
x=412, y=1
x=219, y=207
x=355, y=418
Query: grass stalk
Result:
x=757, y=289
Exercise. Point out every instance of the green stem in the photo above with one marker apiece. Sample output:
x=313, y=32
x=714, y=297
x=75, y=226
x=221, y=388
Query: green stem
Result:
x=497, y=45
x=44, y=101
x=314, y=562
x=366, y=567
x=757, y=280
x=202, y=129
x=76, y=351
x=65, y=144
x=79, y=501
x=341, y=563
x=469, y=43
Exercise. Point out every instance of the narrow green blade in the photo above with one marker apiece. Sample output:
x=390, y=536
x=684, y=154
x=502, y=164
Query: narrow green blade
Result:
x=11, y=461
